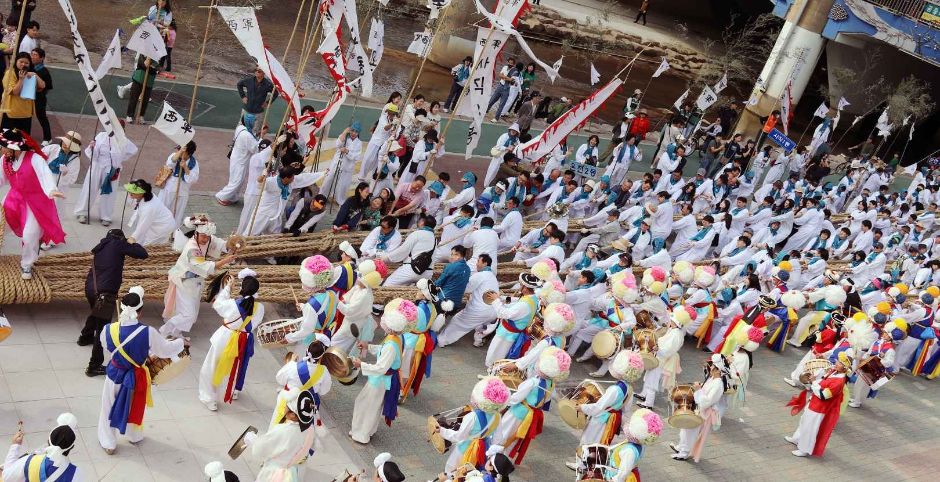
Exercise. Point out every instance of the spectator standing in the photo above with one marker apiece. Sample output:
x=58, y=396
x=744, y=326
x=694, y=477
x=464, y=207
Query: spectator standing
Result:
x=16, y=7
x=460, y=73
x=526, y=113
x=30, y=41
x=644, y=7
x=254, y=91
x=142, y=81
x=501, y=91
x=101, y=287
x=161, y=15
x=166, y=63
x=18, y=111
x=38, y=56
x=528, y=78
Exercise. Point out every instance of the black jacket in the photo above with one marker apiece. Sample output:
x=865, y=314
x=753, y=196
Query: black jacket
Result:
x=108, y=264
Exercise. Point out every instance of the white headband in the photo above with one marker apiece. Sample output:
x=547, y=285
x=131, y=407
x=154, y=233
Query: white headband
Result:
x=379, y=463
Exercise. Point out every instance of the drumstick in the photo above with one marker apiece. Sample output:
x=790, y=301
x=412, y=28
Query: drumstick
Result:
x=296, y=301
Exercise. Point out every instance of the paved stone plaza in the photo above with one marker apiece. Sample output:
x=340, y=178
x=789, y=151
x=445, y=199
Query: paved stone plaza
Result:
x=891, y=438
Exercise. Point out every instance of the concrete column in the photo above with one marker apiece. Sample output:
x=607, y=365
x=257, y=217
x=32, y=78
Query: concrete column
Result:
x=793, y=57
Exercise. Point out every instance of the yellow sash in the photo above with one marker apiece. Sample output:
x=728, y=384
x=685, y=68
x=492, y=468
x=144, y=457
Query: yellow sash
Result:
x=281, y=408
x=115, y=333
x=227, y=359
x=35, y=466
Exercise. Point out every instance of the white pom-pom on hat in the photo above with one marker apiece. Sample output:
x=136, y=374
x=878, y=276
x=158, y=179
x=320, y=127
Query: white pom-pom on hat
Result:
x=67, y=419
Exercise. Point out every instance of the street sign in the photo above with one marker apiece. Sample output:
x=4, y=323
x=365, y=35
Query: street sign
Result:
x=783, y=141
x=584, y=170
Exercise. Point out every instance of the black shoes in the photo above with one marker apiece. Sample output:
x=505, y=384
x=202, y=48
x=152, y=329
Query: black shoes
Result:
x=95, y=371
x=85, y=341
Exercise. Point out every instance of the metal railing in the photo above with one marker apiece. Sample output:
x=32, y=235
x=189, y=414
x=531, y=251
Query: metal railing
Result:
x=912, y=9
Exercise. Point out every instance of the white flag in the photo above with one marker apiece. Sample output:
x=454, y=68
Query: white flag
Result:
x=147, y=41
x=882, y=120
x=504, y=23
x=785, y=106
x=436, y=6
x=112, y=58
x=357, y=60
x=910, y=136
x=480, y=86
x=174, y=126
x=574, y=118
x=595, y=75
x=910, y=170
x=681, y=100
x=706, y=98
x=842, y=103
x=821, y=111
x=722, y=83
x=376, y=42
x=663, y=66
x=421, y=45
x=906, y=120
x=244, y=24
x=106, y=115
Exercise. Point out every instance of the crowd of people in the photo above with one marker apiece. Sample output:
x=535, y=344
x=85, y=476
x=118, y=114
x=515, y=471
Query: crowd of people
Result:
x=750, y=246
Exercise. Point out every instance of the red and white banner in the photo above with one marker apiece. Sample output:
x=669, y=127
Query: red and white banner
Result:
x=574, y=119
x=357, y=59
x=309, y=126
x=785, y=108
x=502, y=23
x=473, y=104
x=332, y=54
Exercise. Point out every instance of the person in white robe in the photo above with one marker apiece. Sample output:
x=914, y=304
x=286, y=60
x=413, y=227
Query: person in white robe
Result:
x=152, y=222
x=188, y=275
x=52, y=461
x=484, y=240
x=223, y=371
x=348, y=153
x=469, y=438
x=588, y=153
x=477, y=312
x=106, y=157
x=175, y=193
x=303, y=372
x=467, y=194
x=382, y=239
x=376, y=150
x=129, y=344
x=777, y=168
x=65, y=161
x=456, y=227
x=379, y=397
x=244, y=145
x=624, y=154
x=424, y=152
x=605, y=415
x=421, y=240
x=704, y=193
x=356, y=307
x=506, y=143
x=808, y=222
x=510, y=228
x=285, y=448
x=660, y=216
x=707, y=395
x=274, y=196
x=512, y=318
x=256, y=168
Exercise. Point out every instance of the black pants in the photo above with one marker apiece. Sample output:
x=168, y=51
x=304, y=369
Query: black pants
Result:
x=454, y=96
x=135, y=96
x=404, y=221
x=43, y=118
x=641, y=14
x=166, y=63
x=93, y=327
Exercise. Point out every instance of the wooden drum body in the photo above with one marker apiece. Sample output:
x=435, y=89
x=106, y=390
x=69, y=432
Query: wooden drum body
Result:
x=449, y=420
x=593, y=461
x=811, y=367
x=163, y=370
x=684, y=407
x=271, y=333
x=645, y=342
x=508, y=372
x=569, y=407
x=873, y=372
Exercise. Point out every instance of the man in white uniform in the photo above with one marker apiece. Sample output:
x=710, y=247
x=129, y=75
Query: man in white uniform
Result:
x=106, y=158
x=244, y=145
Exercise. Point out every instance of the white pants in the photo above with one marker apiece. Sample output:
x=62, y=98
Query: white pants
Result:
x=343, y=338
x=506, y=430
x=405, y=276
x=860, y=391
x=905, y=351
x=32, y=235
x=370, y=160
x=804, y=324
x=251, y=200
x=651, y=381
x=209, y=393
x=807, y=430
x=499, y=348
x=491, y=170
x=367, y=413
x=186, y=309
x=465, y=321
x=342, y=184
x=237, y=170
x=105, y=201
x=687, y=437
x=107, y=435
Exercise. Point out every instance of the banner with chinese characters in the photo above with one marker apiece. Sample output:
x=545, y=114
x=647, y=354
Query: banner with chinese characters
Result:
x=706, y=98
x=174, y=126
x=480, y=86
x=376, y=42
x=147, y=41
x=111, y=58
x=106, y=115
x=421, y=45
x=575, y=118
x=357, y=60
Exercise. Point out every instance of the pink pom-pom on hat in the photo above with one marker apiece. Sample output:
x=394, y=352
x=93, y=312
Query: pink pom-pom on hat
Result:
x=317, y=264
x=381, y=268
x=496, y=391
x=658, y=273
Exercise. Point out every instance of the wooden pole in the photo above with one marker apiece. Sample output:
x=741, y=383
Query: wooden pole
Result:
x=305, y=56
x=143, y=89
x=19, y=35
x=202, y=54
x=294, y=30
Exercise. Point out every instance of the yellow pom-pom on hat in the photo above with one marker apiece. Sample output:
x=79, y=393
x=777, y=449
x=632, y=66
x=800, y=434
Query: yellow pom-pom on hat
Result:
x=859, y=316
x=785, y=265
x=903, y=288
x=883, y=307
x=901, y=324
x=934, y=291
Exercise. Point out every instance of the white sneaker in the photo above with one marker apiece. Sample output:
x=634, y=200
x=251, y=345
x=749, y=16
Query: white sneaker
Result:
x=680, y=456
x=26, y=273
x=854, y=403
x=790, y=439
x=583, y=358
x=211, y=406
x=122, y=91
x=798, y=453
x=791, y=343
x=234, y=394
x=789, y=381
x=82, y=219
x=598, y=374
x=572, y=465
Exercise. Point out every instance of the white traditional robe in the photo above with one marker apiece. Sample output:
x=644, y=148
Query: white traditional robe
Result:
x=14, y=466
x=168, y=193
x=187, y=278
x=338, y=182
x=256, y=167
x=106, y=158
x=284, y=450
x=370, y=248
x=244, y=145
x=367, y=410
x=706, y=397
x=270, y=216
x=152, y=222
x=227, y=308
x=476, y=313
x=356, y=307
